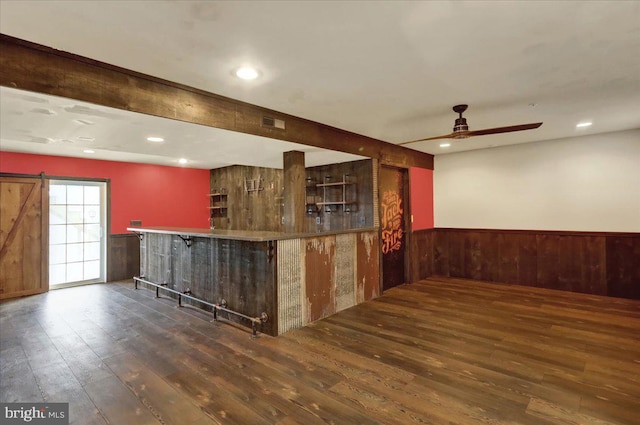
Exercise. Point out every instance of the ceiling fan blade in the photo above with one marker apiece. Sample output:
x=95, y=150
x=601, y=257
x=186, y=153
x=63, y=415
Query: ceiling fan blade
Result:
x=446, y=136
x=509, y=129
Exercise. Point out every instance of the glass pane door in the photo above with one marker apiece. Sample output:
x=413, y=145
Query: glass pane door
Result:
x=76, y=232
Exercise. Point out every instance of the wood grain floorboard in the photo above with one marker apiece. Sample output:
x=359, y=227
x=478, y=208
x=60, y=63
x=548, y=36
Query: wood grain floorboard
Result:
x=441, y=351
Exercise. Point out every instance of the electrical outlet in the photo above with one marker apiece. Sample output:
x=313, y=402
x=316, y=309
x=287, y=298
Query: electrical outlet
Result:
x=282, y=220
x=317, y=220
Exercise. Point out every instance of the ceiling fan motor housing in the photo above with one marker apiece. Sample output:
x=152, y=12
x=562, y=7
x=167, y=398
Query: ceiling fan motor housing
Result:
x=461, y=125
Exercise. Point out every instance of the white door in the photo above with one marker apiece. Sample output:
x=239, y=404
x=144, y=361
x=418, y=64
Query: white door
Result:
x=77, y=242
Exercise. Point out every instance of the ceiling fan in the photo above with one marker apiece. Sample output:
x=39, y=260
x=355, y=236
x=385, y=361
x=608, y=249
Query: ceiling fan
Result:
x=461, y=129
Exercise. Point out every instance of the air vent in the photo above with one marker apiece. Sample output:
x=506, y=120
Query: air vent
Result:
x=272, y=123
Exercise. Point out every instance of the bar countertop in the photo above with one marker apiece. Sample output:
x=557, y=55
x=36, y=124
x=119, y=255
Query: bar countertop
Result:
x=240, y=235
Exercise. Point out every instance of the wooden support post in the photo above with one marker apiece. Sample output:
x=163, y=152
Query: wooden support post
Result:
x=294, y=192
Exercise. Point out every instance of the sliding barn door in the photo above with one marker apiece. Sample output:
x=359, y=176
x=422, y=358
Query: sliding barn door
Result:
x=23, y=236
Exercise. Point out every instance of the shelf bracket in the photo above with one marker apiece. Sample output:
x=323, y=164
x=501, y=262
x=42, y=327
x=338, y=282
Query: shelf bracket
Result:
x=186, y=240
x=139, y=235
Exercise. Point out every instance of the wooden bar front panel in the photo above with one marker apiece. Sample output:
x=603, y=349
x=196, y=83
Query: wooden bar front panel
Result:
x=322, y=275
x=239, y=272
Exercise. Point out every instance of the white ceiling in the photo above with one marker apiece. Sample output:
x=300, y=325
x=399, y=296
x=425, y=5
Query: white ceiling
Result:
x=389, y=70
x=49, y=125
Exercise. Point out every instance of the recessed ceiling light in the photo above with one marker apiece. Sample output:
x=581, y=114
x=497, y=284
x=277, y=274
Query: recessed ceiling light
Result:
x=155, y=139
x=182, y=161
x=247, y=73
x=583, y=124
x=89, y=151
x=445, y=145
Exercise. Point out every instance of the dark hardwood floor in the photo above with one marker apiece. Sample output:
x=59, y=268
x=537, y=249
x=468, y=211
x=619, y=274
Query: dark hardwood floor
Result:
x=442, y=351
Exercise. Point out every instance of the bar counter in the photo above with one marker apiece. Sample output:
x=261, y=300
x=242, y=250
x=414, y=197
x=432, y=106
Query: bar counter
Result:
x=238, y=235
x=293, y=278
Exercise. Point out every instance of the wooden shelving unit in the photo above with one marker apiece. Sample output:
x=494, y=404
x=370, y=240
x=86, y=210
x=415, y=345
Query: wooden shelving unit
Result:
x=340, y=193
x=218, y=203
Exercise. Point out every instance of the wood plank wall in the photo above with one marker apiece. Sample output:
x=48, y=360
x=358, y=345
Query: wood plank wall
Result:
x=361, y=214
x=260, y=210
x=123, y=257
x=587, y=262
x=263, y=210
x=421, y=263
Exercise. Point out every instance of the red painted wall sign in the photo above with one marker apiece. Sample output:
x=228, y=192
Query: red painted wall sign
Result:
x=157, y=195
x=391, y=222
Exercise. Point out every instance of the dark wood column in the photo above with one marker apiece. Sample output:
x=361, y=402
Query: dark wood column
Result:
x=294, y=191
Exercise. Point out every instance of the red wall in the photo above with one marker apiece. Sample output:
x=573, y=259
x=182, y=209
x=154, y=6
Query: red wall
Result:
x=421, y=184
x=157, y=195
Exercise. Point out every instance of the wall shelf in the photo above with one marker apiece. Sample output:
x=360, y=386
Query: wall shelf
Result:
x=218, y=203
x=340, y=193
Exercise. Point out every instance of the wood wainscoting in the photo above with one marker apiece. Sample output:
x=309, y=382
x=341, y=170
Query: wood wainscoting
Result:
x=123, y=257
x=589, y=262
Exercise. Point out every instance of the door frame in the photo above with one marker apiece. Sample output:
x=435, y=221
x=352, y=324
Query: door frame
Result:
x=406, y=216
x=105, y=239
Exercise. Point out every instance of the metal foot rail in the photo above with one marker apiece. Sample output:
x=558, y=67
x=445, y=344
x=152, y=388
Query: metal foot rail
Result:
x=255, y=321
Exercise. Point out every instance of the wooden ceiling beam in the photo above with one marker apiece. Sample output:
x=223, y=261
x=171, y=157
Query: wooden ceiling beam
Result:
x=36, y=68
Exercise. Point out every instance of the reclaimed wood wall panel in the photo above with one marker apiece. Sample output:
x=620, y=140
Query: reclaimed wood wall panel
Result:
x=623, y=265
x=345, y=271
x=239, y=272
x=362, y=212
x=37, y=68
x=587, y=262
x=594, y=270
x=320, y=277
x=259, y=210
x=294, y=215
x=291, y=285
x=440, y=253
x=367, y=267
x=123, y=257
x=548, y=266
x=422, y=250
x=203, y=269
